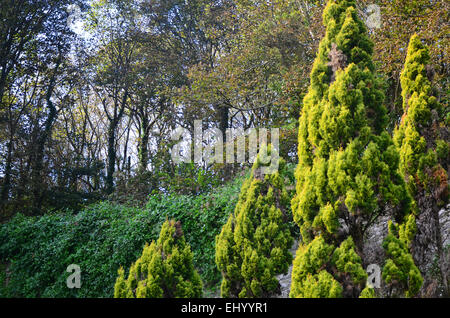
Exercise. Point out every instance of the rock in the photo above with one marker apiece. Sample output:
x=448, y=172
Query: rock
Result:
x=444, y=220
x=285, y=279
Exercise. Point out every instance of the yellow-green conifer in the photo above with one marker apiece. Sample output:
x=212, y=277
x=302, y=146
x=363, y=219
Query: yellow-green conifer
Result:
x=347, y=176
x=165, y=269
x=253, y=246
x=423, y=160
x=400, y=272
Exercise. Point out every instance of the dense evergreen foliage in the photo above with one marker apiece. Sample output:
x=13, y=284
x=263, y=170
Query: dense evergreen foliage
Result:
x=347, y=174
x=424, y=152
x=253, y=246
x=165, y=269
x=400, y=272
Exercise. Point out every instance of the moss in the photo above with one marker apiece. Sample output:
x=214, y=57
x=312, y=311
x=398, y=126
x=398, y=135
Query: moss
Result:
x=164, y=270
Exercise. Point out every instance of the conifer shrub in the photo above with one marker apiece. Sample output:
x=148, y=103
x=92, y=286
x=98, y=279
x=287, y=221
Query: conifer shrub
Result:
x=400, y=272
x=418, y=137
x=165, y=269
x=253, y=246
x=423, y=161
x=309, y=272
x=347, y=176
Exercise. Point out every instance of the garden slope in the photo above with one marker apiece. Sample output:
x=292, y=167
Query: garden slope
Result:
x=35, y=251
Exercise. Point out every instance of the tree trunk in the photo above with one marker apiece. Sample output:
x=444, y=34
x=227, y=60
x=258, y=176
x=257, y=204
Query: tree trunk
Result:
x=111, y=157
x=38, y=164
x=7, y=180
x=224, y=119
x=143, y=147
x=427, y=245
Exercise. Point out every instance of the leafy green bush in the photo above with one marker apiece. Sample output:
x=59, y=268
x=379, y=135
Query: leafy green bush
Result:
x=98, y=239
x=103, y=237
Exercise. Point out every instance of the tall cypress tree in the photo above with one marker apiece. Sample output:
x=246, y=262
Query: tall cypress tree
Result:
x=253, y=246
x=347, y=176
x=423, y=160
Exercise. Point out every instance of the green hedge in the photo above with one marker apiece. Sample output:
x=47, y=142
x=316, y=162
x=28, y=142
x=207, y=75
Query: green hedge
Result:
x=37, y=250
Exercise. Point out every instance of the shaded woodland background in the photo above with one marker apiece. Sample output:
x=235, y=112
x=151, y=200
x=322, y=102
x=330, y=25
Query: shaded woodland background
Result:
x=87, y=115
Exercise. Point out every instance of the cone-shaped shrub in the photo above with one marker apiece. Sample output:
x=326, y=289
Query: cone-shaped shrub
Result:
x=165, y=269
x=423, y=158
x=422, y=151
x=253, y=246
x=347, y=174
x=419, y=131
